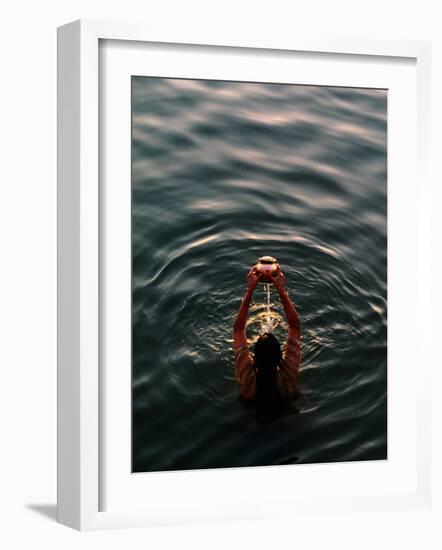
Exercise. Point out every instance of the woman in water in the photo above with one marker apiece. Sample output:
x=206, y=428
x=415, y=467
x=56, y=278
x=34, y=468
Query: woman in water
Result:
x=269, y=376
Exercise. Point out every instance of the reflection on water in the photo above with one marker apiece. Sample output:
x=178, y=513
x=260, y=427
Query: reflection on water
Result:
x=222, y=174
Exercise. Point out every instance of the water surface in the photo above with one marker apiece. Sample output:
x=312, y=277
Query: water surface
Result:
x=225, y=172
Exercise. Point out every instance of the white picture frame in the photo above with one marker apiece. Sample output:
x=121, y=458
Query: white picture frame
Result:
x=79, y=368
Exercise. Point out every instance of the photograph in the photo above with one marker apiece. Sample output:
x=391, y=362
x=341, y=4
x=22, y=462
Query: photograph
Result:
x=259, y=274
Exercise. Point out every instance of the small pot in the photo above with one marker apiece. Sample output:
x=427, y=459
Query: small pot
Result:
x=267, y=265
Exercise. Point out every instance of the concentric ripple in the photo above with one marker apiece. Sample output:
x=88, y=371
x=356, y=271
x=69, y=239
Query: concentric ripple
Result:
x=224, y=173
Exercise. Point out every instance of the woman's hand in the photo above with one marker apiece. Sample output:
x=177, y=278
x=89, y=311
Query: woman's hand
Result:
x=239, y=327
x=278, y=279
x=253, y=278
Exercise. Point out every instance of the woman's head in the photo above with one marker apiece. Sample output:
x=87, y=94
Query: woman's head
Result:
x=267, y=353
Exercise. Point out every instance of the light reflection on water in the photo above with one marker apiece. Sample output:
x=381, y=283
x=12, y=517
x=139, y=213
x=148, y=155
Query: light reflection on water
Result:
x=224, y=173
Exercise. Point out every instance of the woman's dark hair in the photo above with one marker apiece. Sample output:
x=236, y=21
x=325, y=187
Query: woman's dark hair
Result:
x=267, y=356
x=267, y=352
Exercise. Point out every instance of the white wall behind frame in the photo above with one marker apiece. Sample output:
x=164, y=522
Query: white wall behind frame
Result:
x=27, y=222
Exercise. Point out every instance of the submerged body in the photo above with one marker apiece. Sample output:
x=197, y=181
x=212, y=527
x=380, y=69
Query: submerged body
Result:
x=268, y=376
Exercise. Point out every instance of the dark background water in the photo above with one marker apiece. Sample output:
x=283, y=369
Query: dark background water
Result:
x=222, y=173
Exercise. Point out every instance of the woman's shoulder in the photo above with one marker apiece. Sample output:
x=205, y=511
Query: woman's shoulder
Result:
x=287, y=377
x=241, y=352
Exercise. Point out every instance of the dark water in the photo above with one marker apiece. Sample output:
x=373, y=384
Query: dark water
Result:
x=223, y=173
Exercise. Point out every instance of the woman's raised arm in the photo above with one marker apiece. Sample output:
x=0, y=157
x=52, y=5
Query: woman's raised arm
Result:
x=292, y=353
x=289, y=307
x=243, y=361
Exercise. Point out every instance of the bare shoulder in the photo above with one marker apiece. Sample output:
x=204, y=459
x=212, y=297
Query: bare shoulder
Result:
x=287, y=379
x=245, y=372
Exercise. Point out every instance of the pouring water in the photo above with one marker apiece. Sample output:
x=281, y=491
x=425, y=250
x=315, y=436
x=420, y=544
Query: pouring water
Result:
x=268, y=326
